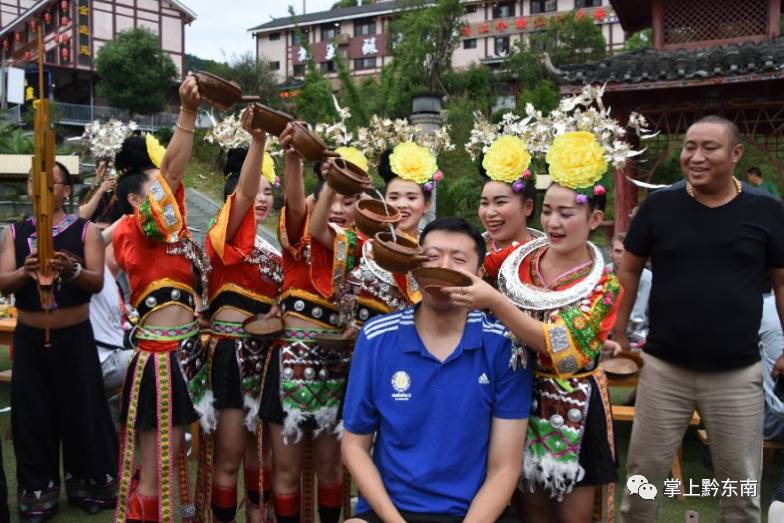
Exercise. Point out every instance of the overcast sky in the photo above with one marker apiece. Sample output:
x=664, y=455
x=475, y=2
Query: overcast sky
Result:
x=220, y=29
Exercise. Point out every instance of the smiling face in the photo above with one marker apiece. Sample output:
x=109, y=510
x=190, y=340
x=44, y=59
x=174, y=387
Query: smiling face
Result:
x=567, y=223
x=409, y=198
x=264, y=198
x=342, y=211
x=503, y=213
x=709, y=156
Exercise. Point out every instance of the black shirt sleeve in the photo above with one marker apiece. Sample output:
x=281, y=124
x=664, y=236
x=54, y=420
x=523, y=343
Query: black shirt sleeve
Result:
x=776, y=237
x=639, y=237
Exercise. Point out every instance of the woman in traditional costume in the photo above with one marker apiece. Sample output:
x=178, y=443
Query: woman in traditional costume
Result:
x=560, y=301
x=304, y=384
x=508, y=199
x=244, y=282
x=405, y=158
x=166, y=381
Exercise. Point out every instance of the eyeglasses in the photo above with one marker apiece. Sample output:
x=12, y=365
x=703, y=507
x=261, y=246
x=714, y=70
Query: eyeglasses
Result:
x=29, y=182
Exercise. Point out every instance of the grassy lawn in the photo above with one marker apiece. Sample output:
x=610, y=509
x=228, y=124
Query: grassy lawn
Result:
x=673, y=510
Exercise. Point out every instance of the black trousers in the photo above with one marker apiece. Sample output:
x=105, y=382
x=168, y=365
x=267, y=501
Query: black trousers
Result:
x=57, y=398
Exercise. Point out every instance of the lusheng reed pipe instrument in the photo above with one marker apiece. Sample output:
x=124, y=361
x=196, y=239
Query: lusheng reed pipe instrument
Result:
x=43, y=198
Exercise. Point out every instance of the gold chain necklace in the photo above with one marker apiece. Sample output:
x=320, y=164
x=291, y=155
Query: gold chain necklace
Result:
x=738, y=187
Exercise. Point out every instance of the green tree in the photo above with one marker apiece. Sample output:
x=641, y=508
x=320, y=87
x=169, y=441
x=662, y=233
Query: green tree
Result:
x=571, y=40
x=315, y=101
x=639, y=40
x=568, y=40
x=421, y=40
x=14, y=140
x=344, y=3
x=256, y=77
x=475, y=84
x=135, y=73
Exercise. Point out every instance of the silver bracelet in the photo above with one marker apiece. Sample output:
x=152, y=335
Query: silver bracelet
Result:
x=77, y=271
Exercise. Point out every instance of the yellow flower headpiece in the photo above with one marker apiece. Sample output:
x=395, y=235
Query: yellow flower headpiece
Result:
x=576, y=160
x=154, y=149
x=353, y=155
x=412, y=162
x=268, y=169
x=507, y=159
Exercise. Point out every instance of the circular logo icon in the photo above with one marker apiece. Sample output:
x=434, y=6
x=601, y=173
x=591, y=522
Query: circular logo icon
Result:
x=401, y=381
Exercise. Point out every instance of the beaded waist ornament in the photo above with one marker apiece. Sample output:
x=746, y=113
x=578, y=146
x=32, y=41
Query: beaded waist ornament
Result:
x=312, y=382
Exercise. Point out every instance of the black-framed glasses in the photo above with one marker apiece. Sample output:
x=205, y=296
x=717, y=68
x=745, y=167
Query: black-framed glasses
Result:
x=29, y=181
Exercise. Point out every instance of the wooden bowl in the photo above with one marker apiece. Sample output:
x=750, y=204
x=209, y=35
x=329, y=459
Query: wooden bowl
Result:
x=430, y=278
x=334, y=341
x=272, y=121
x=374, y=216
x=307, y=143
x=623, y=366
x=398, y=256
x=345, y=177
x=260, y=327
x=218, y=92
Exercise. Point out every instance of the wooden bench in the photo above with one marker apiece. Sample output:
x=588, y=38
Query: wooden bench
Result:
x=769, y=447
x=626, y=413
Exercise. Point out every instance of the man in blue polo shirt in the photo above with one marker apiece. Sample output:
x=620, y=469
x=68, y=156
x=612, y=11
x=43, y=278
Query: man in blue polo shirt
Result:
x=433, y=384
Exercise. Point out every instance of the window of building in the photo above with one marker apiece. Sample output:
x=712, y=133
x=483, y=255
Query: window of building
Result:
x=504, y=9
x=329, y=32
x=364, y=63
x=501, y=45
x=274, y=66
x=299, y=70
x=579, y=4
x=365, y=27
x=543, y=6
x=274, y=36
x=469, y=43
x=295, y=36
x=470, y=9
x=327, y=67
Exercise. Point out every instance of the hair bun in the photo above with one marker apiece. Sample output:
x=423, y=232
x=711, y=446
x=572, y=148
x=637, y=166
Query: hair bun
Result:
x=133, y=155
x=234, y=160
x=384, y=169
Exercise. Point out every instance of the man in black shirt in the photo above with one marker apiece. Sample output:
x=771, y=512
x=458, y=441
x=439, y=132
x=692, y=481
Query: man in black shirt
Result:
x=713, y=241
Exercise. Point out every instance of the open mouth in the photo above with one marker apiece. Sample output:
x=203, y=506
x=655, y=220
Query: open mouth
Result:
x=261, y=209
x=338, y=221
x=556, y=237
x=494, y=226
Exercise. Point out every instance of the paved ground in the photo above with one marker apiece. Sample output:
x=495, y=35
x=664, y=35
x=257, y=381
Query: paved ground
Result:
x=200, y=209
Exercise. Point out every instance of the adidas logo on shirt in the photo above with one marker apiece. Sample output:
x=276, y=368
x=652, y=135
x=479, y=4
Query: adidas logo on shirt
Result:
x=483, y=379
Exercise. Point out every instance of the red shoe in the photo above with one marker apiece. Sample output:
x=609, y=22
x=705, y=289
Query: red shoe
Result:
x=142, y=509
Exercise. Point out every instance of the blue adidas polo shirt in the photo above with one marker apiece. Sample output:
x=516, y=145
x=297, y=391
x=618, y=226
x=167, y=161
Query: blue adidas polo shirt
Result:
x=432, y=419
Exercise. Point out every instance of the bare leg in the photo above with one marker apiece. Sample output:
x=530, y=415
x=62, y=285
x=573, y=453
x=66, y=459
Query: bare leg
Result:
x=230, y=440
x=329, y=468
x=148, y=481
x=327, y=461
x=252, y=513
x=577, y=506
x=538, y=507
x=286, y=461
